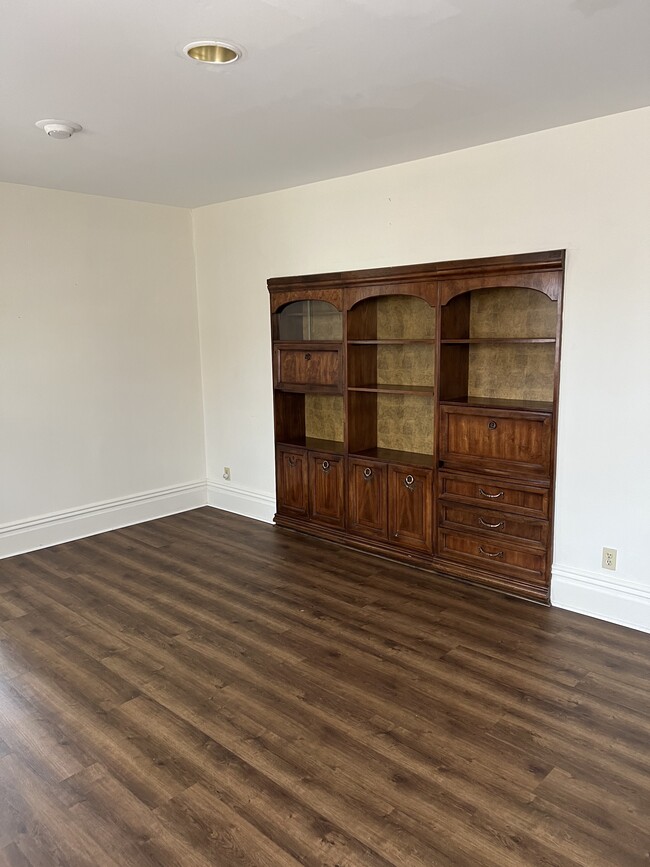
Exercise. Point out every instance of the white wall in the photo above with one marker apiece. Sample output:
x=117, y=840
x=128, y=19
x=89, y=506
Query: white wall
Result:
x=101, y=419
x=585, y=188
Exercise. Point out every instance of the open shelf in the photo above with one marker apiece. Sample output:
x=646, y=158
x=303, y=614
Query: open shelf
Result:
x=313, y=444
x=393, y=456
x=391, y=318
x=492, y=340
x=393, y=389
x=394, y=341
x=501, y=403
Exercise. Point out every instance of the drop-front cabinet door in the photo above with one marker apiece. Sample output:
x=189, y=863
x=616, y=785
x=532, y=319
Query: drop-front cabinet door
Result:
x=410, y=522
x=292, y=487
x=367, y=499
x=326, y=477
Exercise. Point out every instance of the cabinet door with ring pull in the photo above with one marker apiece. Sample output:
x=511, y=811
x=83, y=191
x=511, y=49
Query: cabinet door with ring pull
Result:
x=410, y=494
x=292, y=489
x=326, y=489
x=367, y=499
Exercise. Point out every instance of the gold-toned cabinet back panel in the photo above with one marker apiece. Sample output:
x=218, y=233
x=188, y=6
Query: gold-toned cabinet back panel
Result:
x=405, y=365
x=405, y=423
x=324, y=416
x=512, y=313
x=404, y=317
x=512, y=371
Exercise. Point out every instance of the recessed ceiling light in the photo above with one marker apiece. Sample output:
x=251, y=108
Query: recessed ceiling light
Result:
x=58, y=128
x=208, y=51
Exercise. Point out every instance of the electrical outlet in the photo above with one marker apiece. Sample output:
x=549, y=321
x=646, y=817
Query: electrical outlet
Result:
x=226, y=473
x=609, y=558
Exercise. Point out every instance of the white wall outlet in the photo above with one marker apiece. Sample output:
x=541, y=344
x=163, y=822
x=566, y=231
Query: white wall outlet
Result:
x=226, y=473
x=609, y=558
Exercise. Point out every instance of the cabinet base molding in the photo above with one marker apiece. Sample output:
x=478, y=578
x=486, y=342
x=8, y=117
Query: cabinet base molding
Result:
x=435, y=565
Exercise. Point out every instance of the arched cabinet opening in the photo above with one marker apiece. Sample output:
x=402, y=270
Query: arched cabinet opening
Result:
x=498, y=348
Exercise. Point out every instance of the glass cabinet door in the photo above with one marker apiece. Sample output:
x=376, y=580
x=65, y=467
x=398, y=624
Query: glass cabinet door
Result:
x=309, y=321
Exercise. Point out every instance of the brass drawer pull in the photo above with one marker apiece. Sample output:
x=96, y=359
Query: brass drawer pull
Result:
x=326, y=466
x=490, y=496
x=307, y=356
x=491, y=526
x=487, y=553
x=409, y=483
x=292, y=461
x=492, y=425
x=367, y=474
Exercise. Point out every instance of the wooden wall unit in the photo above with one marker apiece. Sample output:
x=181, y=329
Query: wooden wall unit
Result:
x=416, y=413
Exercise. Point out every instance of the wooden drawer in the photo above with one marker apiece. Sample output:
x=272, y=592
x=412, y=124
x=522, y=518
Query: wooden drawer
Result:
x=489, y=491
x=494, y=524
x=308, y=368
x=504, y=441
x=498, y=556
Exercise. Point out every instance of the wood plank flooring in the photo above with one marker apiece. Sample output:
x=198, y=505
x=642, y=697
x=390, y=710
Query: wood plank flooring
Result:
x=208, y=690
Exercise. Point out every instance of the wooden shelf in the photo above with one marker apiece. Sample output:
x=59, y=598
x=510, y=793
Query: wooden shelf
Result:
x=423, y=340
x=501, y=403
x=313, y=444
x=308, y=343
x=494, y=340
x=392, y=456
x=426, y=390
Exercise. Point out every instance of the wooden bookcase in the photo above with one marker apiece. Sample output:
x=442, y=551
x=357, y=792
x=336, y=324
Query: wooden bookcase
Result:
x=416, y=413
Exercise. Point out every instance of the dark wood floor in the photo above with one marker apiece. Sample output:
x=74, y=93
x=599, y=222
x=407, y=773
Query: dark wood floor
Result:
x=208, y=690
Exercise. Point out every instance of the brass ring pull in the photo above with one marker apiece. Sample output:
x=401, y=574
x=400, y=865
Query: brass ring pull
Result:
x=487, y=553
x=490, y=496
x=325, y=466
x=409, y=482
x=491, y=526
x=307, y=356
x=492, y=425
x=367, y=474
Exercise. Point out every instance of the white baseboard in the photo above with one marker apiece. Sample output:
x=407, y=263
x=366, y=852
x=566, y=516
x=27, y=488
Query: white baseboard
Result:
x=59, y=527
x=617, y=601
x=251, y=504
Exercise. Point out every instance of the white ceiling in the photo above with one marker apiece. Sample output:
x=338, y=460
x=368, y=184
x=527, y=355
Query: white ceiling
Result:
x=325, y=87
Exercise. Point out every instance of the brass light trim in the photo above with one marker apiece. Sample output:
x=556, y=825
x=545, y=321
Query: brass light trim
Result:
x=216, y=53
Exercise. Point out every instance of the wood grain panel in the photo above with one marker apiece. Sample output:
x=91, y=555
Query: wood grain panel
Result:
x=308, y=367
x=515, y=442
x=367, y=499
x=327, y=489
x=292, y=485
x=410, y=507
x=488, y=491
x=493, y=555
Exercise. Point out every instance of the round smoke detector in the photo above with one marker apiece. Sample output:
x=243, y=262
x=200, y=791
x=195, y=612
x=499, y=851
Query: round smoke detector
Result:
x=58, y=128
